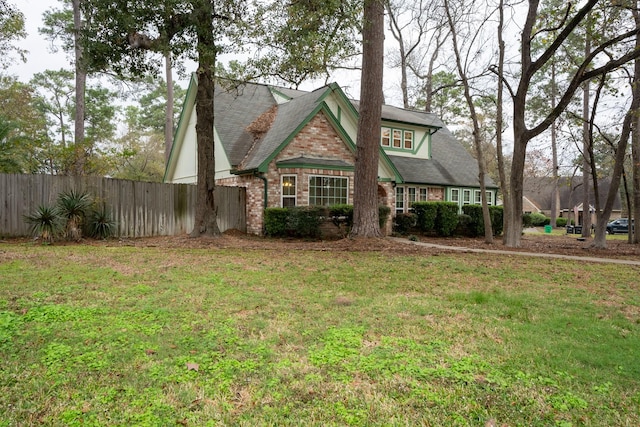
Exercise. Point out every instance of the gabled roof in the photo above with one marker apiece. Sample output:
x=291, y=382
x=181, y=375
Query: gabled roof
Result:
x=254, y=122
x=290, y=118
x=235, y=110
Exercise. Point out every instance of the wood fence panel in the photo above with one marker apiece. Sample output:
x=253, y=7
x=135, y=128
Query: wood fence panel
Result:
x=140, y=209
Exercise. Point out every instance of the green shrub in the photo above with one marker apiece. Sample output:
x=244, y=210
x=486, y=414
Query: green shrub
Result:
x=342, y=216
x=464, y=226
x=73, y=207
x=475, y=227
x=45, y=223
x=497, y=219
x=275, y=221
x=526, y=220
x=561, y=222
x=300, y=221
x=304, y=221
x=426, y=213
x=100, y=224
x=404, y=222
x=539, y=220
x=447, y=218
x=383, y=215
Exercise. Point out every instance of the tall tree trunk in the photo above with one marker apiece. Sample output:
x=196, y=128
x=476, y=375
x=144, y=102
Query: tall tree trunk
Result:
x=630, y=121
x=81, y=82
x=513, y=214
x=499, y=121
x=168, y=121
x=205, y=222
x=634, y=232
x=365, y=200
x=555, y=192
x=586, y=158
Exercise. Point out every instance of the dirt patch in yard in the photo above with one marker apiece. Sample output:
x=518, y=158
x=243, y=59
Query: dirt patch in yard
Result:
x=531, y=242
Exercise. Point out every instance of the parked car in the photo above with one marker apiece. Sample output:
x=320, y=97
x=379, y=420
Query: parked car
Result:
x=618, y=226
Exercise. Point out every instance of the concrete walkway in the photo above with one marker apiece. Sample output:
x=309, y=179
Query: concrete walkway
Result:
x=518, y=253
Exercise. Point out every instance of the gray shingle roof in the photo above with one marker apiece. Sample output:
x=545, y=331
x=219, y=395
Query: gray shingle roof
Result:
x=289, y=117
x=235, y=109
x=396, y=114
x=450, y=165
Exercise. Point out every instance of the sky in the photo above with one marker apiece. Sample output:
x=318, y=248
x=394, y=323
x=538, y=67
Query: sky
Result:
x=40, y=57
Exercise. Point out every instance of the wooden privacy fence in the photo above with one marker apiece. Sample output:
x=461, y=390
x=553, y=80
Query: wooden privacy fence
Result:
x=140, y=209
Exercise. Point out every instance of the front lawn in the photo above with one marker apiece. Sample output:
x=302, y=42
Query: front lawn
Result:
x=159, y=336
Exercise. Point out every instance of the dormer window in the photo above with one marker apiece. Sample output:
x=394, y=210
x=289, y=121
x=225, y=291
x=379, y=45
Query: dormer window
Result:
x=385, y=138
x=408, y=140
x=399, y=139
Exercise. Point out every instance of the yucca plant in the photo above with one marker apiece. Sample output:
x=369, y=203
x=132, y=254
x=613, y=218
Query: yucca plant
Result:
x=100, y=224
x=73, y=206
x=46, y=223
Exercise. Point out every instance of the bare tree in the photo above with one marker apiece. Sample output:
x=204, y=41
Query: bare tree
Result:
x=634, y=232
x=408, y=32
x=586, y=70
x=477, y=137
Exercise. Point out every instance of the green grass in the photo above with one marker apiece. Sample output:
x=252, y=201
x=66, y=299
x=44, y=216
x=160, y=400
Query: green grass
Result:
x=153, y=336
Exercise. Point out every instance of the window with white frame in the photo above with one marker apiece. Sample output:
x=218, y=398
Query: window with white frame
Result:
x=397, y=138
x=455, y=195
x=328, y=190
x=423, y=195
x=385, y=137
x=476, y=197
x=466, y=197
x=408, y=140
x=289, y=191
x=411, y=196
x=489, y=197
x=402, y=139
x=399, y=199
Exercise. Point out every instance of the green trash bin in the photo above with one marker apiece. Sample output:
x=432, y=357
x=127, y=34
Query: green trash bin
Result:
x=547, y=229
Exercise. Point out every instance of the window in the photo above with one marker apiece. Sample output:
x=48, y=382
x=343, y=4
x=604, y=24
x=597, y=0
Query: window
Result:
x=408, y=140
x=424, y=195
x=289, y=192
x=401, y=139
x=476, y=197
x=489, y=197
x=399, y=199
x=397, y=138
x=466, y=197
x=411, y=196
x=455, y=195
x=385, y=140
x=328, y=190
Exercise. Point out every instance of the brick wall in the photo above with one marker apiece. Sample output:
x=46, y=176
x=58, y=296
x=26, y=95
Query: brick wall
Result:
x=317, y=140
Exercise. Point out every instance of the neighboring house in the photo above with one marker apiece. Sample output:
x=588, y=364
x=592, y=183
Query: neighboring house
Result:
x=539, y=191
x=295, y=148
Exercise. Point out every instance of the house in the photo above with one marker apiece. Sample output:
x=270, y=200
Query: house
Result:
x=296, y=148
x=539, y=192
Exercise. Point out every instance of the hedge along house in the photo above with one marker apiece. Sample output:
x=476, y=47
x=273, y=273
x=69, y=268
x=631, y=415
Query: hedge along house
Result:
x=295, y=148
